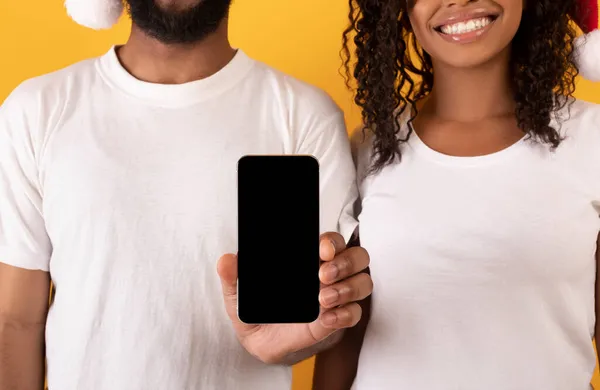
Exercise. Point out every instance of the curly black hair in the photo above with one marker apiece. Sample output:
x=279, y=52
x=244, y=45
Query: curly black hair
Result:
x=389, y=79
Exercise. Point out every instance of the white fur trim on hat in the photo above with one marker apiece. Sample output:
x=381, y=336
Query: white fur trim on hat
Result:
x=95, y=14
x=588, y=55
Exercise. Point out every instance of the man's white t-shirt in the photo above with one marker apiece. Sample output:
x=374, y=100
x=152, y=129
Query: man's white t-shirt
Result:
x=483, y=267
x=125, y=191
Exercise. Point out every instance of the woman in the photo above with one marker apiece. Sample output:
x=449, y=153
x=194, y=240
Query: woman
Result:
x=480, y=187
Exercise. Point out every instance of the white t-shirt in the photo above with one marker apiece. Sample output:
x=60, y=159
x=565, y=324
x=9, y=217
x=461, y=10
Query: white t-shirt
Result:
x=483, y=267
x=125, y=191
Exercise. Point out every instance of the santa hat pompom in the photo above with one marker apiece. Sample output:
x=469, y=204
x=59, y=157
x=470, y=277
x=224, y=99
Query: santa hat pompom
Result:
x=588, y=55
x=95, y=14
x=587, y=46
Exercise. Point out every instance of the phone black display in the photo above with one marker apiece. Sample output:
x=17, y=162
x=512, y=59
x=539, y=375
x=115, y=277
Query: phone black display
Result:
x=278, y=239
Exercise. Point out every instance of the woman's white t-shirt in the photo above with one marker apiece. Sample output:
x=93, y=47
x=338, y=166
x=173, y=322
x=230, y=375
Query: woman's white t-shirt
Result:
x=484, y=267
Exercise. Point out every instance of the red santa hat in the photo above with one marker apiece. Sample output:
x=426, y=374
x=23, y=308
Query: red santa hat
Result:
x=587, y=46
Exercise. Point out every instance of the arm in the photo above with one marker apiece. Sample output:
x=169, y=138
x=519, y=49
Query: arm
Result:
x=23, y=309
x=297, y=357
x=25, y=247
x=597, y=328
x=335, y=368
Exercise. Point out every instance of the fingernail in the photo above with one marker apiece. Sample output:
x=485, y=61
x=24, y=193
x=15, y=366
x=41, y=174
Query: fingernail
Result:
x=329, y=318
x=329, y=296
x=330, y=271
x=325, y=250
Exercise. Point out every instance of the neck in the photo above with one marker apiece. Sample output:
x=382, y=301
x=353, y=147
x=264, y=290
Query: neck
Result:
x=152, y=61
x=472, y=94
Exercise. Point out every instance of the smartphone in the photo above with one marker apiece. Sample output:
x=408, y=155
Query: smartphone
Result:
x=278, y=239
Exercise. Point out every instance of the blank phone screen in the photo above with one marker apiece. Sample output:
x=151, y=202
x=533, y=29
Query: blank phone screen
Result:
x=278, y=239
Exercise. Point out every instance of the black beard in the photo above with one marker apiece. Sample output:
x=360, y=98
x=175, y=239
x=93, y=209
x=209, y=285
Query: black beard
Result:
x=173, y=27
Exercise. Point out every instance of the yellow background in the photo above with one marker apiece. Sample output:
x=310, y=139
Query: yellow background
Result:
x=299, y=37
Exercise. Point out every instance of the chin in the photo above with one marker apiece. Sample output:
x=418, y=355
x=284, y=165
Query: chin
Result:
x=466, y=61
x=177, y=5
x=473, y=55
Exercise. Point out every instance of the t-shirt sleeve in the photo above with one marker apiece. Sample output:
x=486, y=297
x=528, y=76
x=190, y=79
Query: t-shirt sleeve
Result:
x=24, y=242
x=581, y=131
x=329, y=143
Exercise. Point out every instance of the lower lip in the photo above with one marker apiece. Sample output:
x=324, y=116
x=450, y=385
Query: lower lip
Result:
x=468, y=37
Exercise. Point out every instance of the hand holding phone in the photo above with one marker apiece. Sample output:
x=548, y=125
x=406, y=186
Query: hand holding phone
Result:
x=338, y=274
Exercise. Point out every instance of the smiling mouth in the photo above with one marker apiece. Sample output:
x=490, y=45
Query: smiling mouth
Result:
x=466, y=26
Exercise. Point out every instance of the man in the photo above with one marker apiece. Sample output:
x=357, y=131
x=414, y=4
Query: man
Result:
x=117, y=182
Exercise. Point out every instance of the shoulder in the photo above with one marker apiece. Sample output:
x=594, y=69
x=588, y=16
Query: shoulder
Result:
x=363, y=142
x=305, y=113
x=295, y=94
x=582, y=112
x=580, y=124
x=579, y=152
x=40, y=100
x=48, y=89
x=51, y=83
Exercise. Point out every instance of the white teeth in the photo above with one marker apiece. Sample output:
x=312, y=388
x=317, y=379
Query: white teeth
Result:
x=465, y=27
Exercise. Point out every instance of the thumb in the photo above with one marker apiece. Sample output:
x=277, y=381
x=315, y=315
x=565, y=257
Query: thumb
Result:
x=227, y=270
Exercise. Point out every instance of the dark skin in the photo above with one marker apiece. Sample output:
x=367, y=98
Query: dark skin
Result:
x=23, y=310
x=470, y=112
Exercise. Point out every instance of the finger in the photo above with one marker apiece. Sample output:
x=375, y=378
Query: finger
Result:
x=330, y=245
x=342, y=317
x=349, y=262
x=350, y=290
x=228, y=272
